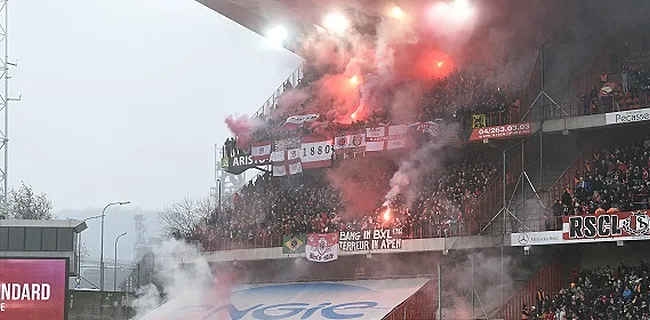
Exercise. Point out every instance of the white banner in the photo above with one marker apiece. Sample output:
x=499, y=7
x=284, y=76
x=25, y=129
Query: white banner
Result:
x=627, y=116
x=286, y=162
x=397, y=137
x=375, y=138
x=300, y=119
x=261, y=150
x=316, y=152
x=350, y=143
x=536, y=238
x=322, y=247
x=386, y=138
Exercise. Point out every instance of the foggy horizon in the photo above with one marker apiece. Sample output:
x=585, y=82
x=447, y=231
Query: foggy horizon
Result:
x=124, y=100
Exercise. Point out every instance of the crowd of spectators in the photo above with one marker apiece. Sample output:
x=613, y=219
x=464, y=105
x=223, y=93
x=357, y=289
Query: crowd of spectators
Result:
x=620, y=293
x=615, y=179
x=462, y=94
x=454, y=98
x=437, y=205
x=627, y=89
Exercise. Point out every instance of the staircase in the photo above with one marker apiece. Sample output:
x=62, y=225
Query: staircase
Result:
x=294, y=80
x=560, y=163
x=550, y=278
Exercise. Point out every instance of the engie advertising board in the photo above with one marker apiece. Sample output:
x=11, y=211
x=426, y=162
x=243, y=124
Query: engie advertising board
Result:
x=363, y=300
x=33, y=289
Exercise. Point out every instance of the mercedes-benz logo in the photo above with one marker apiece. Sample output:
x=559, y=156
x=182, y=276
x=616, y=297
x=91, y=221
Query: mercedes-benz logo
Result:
x=523, y=238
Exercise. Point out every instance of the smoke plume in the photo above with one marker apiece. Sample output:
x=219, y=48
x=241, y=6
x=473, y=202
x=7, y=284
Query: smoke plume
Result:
x=180, y=269
x=420, y=163
x=474, y=290
x=243, y=128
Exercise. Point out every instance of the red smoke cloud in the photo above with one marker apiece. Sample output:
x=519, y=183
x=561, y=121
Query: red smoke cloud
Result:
x=362, y=183
x=420, y=62
x=243, y=127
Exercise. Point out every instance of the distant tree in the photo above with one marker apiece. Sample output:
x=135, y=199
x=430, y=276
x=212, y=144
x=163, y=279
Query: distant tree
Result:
x=181, y=219
x=85, y=252
x=23, y=203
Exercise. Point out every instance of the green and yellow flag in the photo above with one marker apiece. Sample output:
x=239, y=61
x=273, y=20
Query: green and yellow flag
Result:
x=294, y=243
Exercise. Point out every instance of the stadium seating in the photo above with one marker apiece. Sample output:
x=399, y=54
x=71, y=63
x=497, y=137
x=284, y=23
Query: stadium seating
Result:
x=449, y=202
x=612, y=179
x=270, y=207
x=600, y=293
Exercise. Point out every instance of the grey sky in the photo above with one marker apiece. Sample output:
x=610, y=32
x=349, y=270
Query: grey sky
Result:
x=123, y=99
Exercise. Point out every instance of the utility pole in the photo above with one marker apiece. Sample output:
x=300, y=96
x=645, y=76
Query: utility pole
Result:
x=4, y=99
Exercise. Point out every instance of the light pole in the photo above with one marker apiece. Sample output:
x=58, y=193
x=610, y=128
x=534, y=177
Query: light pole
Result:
x=79, y=244
x=115, y=265
x=101, y=249
x=219, y=196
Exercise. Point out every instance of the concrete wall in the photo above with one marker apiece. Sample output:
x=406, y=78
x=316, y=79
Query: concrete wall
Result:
x=86, y=305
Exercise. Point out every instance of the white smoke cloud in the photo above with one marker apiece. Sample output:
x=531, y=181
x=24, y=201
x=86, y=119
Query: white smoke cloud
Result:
x=420, y=163
x=483, y=281
x=179, y=268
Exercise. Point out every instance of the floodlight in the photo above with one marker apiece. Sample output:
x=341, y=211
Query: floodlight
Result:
x=397, y=12
x=462, y=9
x=336, y=22
x=277, y=35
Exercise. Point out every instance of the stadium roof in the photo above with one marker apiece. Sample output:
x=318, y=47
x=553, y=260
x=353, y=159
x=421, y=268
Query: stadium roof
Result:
x=298, y=16
x=78, y=225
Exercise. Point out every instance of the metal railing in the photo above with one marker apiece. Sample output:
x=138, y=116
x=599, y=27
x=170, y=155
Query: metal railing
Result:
x=440, y=230
x=271, y=103
x=578, y=108
x=294, y=80
x=492, y=118
x=567, y=178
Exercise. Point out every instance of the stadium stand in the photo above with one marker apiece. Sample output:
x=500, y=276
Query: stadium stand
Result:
x=608, y=180
x=597, y=293
x=450, y=203
x=310, y=203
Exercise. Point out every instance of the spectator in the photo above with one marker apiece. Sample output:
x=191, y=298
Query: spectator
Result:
x=601, y=293
x=616, y=179
x=270, y=207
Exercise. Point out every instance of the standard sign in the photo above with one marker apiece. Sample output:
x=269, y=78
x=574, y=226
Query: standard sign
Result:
x=366, y=240
x=628, y=116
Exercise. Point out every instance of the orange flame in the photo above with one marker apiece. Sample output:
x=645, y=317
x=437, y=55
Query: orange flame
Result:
x=354, y=80
x=387, y=214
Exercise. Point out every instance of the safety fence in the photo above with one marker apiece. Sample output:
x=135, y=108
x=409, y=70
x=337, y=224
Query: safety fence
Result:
x=89, y=305
x=425, y=231
x=422, y=305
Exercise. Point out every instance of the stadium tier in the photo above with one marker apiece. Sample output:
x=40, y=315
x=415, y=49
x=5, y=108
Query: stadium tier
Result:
x=404, y=168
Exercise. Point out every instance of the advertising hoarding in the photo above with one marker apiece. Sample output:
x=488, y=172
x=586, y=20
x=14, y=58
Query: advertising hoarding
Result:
x=364, y=299
x=33, y=289
x=501, y=132
x=629, y=116
x=617, y=226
